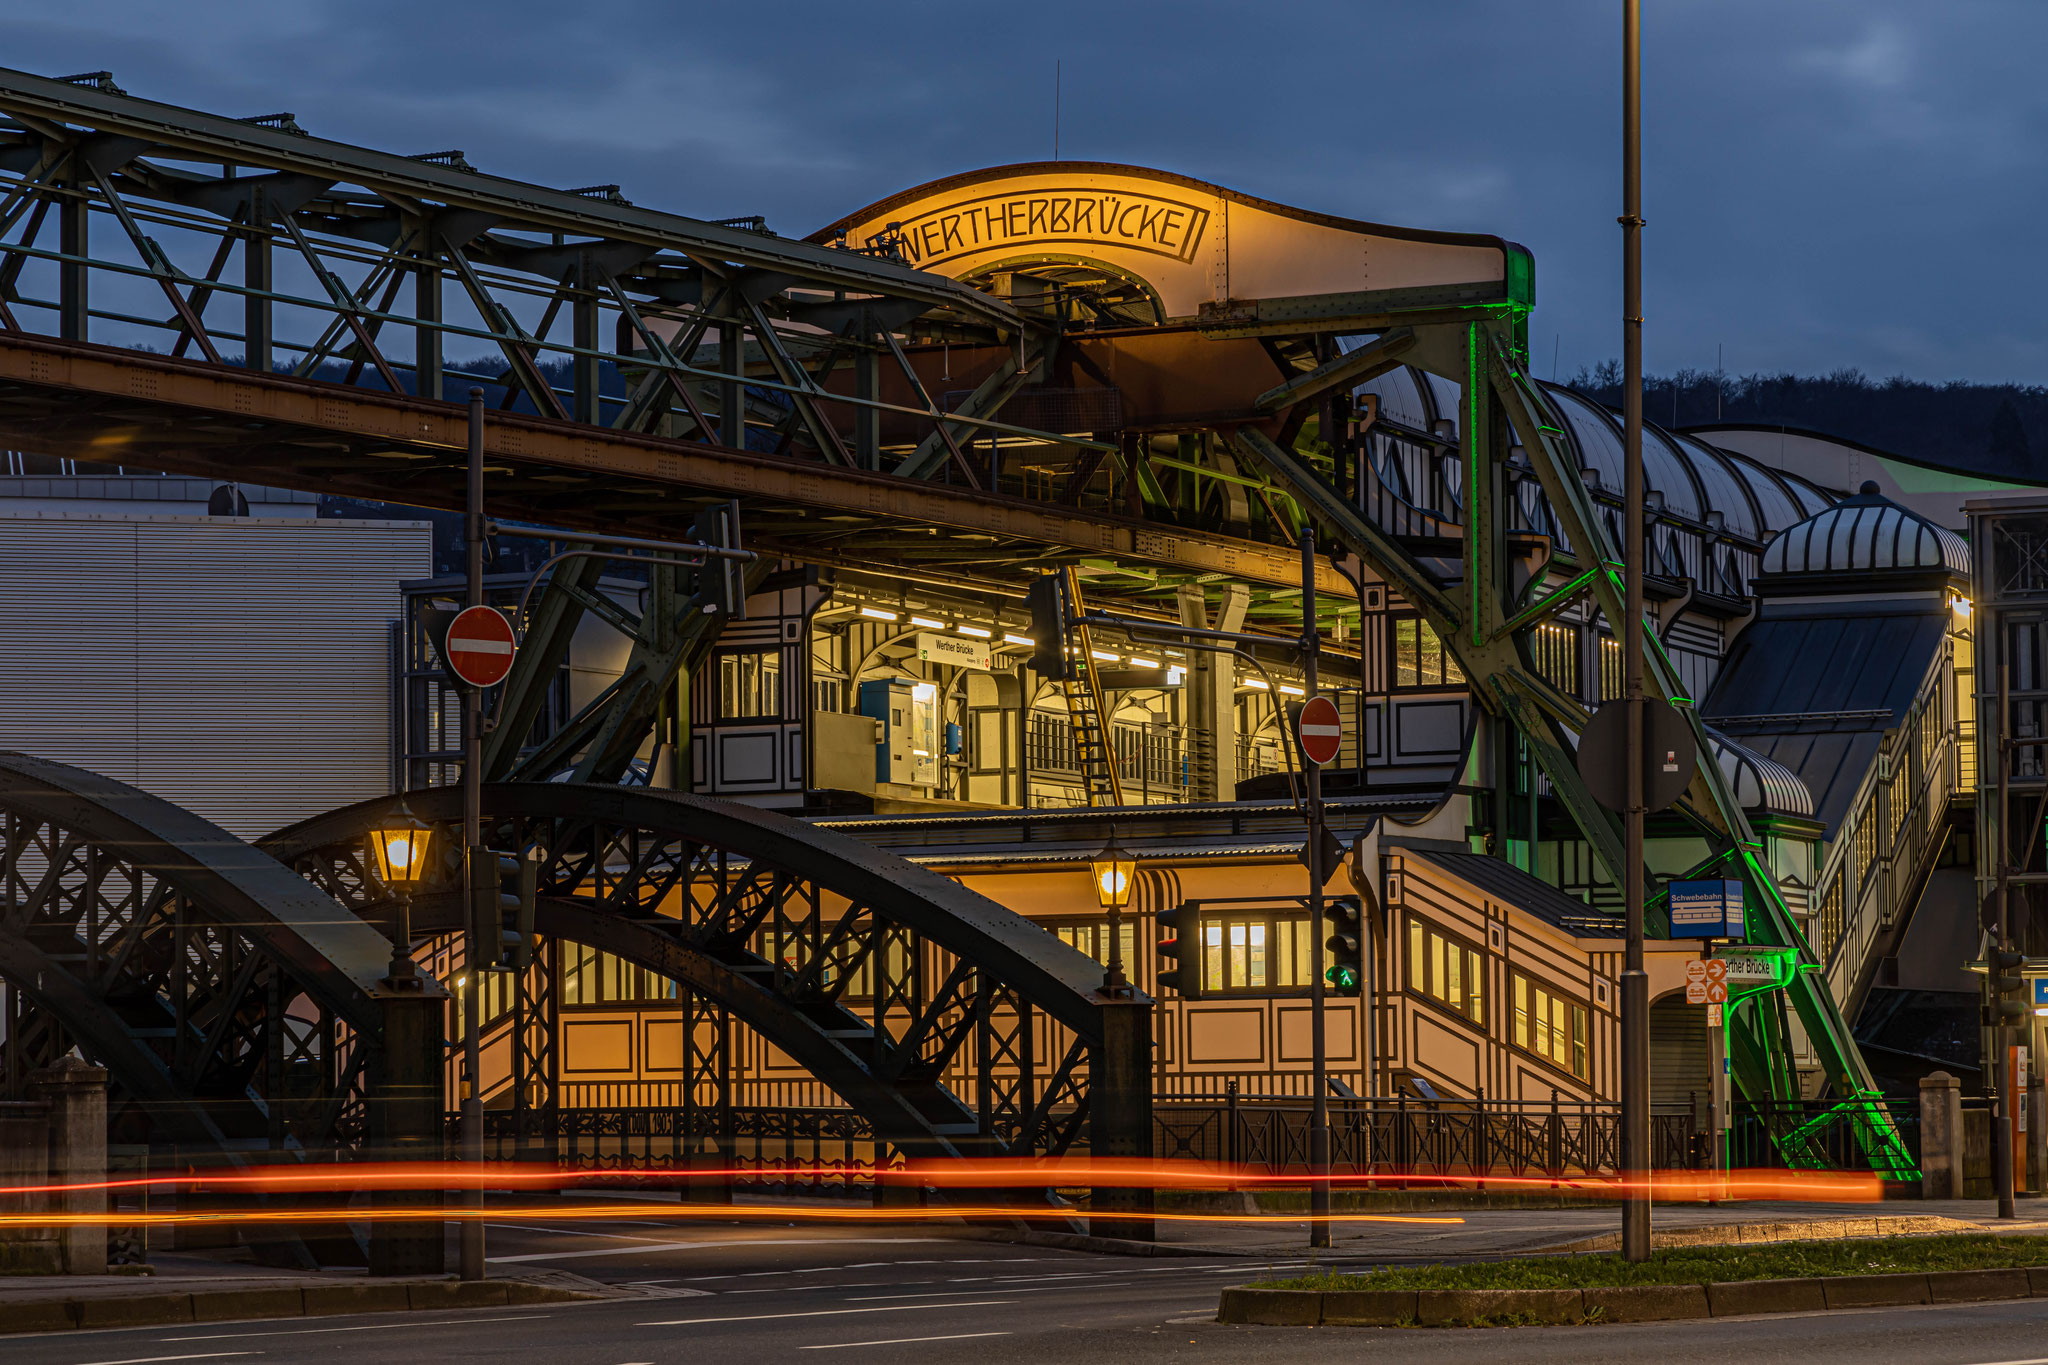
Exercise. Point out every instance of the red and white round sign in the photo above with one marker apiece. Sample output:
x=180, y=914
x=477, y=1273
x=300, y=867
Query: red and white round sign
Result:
x=1319, y=729
x=480, y=646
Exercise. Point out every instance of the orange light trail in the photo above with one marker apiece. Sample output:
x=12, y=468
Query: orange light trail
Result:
x=722, y=1213
x=1676, y=1186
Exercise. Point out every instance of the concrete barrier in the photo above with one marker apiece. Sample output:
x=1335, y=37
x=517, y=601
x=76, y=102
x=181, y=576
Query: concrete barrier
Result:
x=1647, y=1302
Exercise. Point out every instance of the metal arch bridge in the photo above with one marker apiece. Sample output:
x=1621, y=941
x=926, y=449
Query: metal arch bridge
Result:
x=767, y=921
x=770, y=370
x=237, y=1008
x=238, y=994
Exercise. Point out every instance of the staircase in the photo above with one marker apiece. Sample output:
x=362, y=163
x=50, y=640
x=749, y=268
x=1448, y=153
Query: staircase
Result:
x=1095, y=750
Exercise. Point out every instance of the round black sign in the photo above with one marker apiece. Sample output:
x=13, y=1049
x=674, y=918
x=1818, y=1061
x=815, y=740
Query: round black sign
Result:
x=1669, y=754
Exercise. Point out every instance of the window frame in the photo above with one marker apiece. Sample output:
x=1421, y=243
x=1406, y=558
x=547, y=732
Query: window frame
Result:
x=1576, y=1012
x=1279, y=919
x=720, y=659
x=1449, y=672
x=1420, y=968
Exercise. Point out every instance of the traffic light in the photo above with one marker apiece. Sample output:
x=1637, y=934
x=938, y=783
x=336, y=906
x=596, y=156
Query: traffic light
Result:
x=505, y=888
x=2008, y=987
x=718, y=586
x=1047, y=600
x=1180, y=949
x=1346, y=973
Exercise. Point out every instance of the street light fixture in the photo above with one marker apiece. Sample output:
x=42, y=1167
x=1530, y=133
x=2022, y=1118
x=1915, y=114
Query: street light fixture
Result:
x=399, y=846
x=1115, y=869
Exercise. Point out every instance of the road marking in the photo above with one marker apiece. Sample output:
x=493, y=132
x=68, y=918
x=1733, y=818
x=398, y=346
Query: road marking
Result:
x=943, y=1293
x=151, y=1360
x=709, y=1242
x=818, y=1313
x=900, y=1341
x=316, y=1331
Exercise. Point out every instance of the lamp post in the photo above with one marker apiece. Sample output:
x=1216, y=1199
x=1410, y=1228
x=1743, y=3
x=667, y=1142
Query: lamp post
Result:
x=1115, y=869
x=399, y=846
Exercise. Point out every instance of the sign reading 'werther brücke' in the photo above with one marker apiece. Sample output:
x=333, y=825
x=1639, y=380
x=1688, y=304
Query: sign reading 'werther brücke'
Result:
x=1043, y=217
x=944, y=649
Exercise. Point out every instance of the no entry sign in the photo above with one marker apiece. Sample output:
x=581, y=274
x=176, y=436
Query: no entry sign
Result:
x=1319, y=729
x=480, y=646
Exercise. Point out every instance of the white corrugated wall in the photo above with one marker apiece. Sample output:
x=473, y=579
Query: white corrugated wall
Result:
x=239, y=667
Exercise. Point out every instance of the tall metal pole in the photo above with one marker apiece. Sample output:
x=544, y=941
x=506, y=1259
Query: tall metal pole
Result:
x=1319, y=1106
x=2001, y=1032
x=1635, y=982
x=473, y=862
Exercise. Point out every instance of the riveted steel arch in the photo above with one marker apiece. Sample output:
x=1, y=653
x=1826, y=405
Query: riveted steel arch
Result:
x=233, y=1005
x=694, y=888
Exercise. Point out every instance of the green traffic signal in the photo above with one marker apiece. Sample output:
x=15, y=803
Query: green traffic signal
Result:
x=1344, y=980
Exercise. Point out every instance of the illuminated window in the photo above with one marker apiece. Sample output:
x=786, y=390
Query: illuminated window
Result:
x=1092, y=938
x=1556, y=651
x=1249, y=952
x=750, y=685
x=1610, y=668
x=1554, y=1028
x=590, y=977
x=1420, y=659
x=1447, y=971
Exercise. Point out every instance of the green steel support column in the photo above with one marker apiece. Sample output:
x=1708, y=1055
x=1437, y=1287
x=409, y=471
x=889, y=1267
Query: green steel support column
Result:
x=257, y=277
x=74, y=239
x=584, y=368
x=543, y=649
x=426, y=303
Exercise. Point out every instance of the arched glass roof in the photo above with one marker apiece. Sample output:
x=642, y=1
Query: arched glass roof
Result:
x=1692, y=478
x=1868, y=533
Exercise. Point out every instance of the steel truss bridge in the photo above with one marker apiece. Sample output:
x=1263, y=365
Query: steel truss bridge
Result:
x=300, y=299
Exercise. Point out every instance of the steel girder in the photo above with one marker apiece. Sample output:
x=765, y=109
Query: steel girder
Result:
x=237, y=1008
x=777, y=923
x=1491, y=636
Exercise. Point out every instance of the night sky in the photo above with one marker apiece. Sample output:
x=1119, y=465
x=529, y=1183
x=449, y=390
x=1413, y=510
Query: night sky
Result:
x=1828, y=184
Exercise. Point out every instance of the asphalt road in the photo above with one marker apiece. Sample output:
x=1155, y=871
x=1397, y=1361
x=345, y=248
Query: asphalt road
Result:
x=709, y=1293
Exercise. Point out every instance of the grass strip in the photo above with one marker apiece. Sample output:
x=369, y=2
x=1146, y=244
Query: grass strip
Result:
x=1702, y=1265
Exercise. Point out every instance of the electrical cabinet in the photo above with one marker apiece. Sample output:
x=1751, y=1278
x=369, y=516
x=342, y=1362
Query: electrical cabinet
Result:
x=908, y=752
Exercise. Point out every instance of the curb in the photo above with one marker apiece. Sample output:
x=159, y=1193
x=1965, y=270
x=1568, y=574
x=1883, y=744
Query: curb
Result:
x=1760, y=1234
x=1619, y=1303
x=308, y=1301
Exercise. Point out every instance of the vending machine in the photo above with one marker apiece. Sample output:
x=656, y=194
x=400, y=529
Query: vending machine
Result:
x=908, y=752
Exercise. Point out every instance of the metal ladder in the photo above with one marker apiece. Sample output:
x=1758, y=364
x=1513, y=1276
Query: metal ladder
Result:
x=1094, y=746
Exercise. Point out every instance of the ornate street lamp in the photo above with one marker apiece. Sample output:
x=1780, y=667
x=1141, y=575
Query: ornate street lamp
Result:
x=1115, y=870
x=399, y=845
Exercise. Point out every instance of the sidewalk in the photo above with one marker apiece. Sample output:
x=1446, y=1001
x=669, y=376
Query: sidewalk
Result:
x=203, y=1289
x=1424, y=1234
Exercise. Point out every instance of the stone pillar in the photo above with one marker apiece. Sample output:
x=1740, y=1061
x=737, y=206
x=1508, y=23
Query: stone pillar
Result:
x=25, y=1160
x=1941, y=1137
x=407, y=1105
x=1120, y=1114
x=76, y=1093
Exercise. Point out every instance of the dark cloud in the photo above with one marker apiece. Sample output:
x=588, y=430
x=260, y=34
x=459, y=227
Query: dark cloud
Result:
x=1831, y=183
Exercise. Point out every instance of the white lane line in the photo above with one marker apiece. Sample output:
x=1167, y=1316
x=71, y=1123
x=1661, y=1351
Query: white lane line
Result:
x=899, y=1341
x=373, y=1327
x=741, y=1242
x=944, y=1293
x=152, y=1360
x=824, y=1313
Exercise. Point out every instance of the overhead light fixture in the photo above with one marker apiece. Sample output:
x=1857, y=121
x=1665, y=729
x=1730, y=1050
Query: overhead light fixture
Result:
x=1012, y=638
x=1961, y=605
x=1174, y=676
x=976, y=631
x=1291, y=691
x=1257, y=684
x=878, y=614
x=927, y=622
x=1139, y=662
x=1098, y=654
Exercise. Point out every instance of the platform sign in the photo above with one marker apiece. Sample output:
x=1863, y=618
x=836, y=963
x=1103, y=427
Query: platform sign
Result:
x=1752, y=971
x=1320, y=730
x=1706, y=982
x=944, y=649
x=1706, y=909
x=479, y=646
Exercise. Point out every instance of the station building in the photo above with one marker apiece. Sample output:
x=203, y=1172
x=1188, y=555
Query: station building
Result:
x=1812, y=595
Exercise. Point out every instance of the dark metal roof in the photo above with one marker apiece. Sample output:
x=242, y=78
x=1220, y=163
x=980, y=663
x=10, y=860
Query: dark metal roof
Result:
x=1868, y=533
x=1814, y=688
x=1506, y=882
